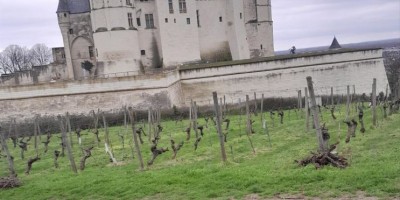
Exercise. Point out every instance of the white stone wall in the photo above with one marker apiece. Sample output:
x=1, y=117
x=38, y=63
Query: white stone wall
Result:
x=286, y=82
x=280, y=76
x=39, y=74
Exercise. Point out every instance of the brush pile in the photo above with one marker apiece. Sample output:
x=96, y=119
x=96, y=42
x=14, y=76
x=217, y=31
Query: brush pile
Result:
x=9, y=182
x=327, y=158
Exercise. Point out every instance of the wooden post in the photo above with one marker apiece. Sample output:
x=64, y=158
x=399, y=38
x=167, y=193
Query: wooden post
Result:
x=9, y=157
x=307, y=108
x=149, y=124
x=332, y=102
x=69, y=129
x=348, y=103
x=248, y=121
x=262, y=108
x=35, y=135
x=374, y=102
x=68, y=145
x=221, y=108
x=194, y=107
x=135, y=140
x=240, y=117
x=255, y=103
x=224, y=105
x=219, y=129
x=16, y=134
x=322, y=147
x=107, y=144
x=300, y=101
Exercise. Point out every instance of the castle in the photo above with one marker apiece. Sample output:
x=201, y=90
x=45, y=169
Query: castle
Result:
x=134, y=36
x=161, y=53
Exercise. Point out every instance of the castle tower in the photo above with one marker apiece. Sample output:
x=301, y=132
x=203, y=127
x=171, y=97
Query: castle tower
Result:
x=236, y=30
x=74, y=22
x=259, y=27
x=115, y=34
x=64, y=23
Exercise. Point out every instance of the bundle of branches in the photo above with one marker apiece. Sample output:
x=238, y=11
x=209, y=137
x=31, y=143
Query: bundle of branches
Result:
x=321, y=159
x=9, y=182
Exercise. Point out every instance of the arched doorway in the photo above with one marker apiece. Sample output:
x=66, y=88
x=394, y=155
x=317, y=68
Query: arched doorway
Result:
x=81, y=51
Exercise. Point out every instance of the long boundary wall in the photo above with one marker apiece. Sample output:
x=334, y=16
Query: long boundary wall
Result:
x=279, y=76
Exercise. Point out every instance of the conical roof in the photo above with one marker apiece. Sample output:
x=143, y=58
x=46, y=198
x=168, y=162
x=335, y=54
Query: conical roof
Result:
x=73, y=6
x=335, y=44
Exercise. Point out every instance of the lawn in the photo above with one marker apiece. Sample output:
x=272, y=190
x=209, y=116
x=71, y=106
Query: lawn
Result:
x=374, y=159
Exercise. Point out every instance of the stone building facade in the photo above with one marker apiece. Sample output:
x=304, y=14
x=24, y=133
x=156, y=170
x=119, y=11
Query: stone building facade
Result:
x=120, y=36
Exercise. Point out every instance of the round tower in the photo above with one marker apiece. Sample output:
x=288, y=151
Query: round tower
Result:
x=259, y=27
x=65, y=24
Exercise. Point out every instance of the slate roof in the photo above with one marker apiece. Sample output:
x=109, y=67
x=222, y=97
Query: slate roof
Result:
x=73, y=6
x=335, y=44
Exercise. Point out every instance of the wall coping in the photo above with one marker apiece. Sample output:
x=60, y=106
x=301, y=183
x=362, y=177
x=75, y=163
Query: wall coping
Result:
x=272, y=58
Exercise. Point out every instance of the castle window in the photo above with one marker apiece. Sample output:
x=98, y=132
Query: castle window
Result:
x=261, y=47
x=241, y=16
x=65, y=14
x=130, y=21
x=174, y=20
x=171, y=6
x=138, y=21
x=198, y=18
x=220, y=19
x=63, y=55
x=142, y=52
x=149, y=20
x=182, y=6
x=128, y=3
x=166, y=20
x=91, y=52
x=71, y=31
x=188, y=20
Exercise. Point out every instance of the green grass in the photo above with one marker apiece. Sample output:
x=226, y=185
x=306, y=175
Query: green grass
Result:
x=374, y=169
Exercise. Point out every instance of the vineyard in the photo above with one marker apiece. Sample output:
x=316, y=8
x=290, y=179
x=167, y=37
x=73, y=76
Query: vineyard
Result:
x=254, y=148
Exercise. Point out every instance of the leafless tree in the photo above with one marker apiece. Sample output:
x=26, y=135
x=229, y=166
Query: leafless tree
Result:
x=41, y=54
x=15, y=58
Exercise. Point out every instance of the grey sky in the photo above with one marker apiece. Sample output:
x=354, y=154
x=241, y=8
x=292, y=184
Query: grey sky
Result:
x=304, y=23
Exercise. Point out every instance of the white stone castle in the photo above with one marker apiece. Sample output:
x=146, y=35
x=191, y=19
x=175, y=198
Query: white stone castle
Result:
x=127, y=40
x=134, y=36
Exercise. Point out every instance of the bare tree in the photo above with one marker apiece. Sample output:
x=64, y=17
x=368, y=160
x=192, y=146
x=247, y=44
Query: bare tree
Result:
x=41, y=54
x=15, y=58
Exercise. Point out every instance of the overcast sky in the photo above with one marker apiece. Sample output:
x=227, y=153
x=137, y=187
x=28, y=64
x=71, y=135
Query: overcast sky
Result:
x=304, y=23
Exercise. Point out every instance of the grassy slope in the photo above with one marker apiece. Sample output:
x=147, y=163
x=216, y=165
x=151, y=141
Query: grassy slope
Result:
x=374, y=157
